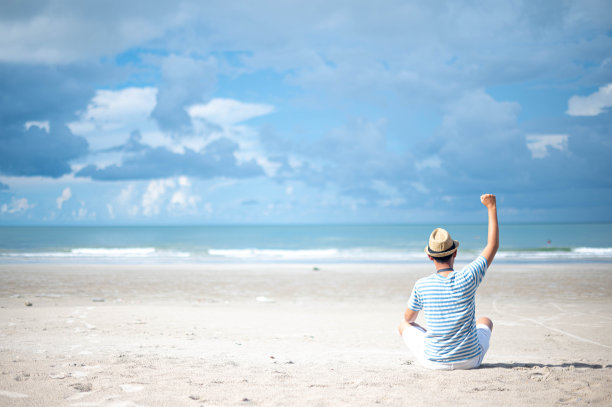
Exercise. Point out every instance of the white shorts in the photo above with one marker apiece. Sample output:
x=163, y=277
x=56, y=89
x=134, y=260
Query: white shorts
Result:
x=414, y=338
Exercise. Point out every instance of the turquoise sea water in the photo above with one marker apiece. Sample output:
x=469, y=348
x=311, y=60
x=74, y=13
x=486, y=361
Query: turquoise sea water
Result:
x=296, y=243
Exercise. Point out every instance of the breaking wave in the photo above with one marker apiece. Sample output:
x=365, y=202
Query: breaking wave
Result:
x=331, y=255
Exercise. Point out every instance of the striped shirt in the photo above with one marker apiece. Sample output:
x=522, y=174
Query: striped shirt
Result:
x=449, y=306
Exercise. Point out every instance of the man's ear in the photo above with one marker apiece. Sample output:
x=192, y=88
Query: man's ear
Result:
x=455, y=254
x=430, y=258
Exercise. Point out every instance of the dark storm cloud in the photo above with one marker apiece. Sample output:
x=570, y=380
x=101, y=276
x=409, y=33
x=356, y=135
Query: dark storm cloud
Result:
x=144, y=162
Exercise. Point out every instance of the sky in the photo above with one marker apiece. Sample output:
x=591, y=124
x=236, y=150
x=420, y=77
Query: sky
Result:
x=284, y=112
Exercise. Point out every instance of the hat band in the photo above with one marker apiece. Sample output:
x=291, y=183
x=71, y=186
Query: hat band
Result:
x=441, y=251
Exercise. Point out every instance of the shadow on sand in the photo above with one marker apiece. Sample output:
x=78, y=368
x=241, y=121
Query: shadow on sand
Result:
x=577, y=365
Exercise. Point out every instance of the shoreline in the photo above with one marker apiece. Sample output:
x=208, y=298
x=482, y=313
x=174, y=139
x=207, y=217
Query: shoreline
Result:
x=279, y=334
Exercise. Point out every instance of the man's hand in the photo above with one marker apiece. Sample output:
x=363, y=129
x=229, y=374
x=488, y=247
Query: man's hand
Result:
x=488, y=200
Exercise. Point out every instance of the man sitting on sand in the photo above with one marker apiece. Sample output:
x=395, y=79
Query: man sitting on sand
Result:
x=454, y=338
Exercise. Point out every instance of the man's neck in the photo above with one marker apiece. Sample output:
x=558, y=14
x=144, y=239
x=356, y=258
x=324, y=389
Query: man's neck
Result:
x=444, y=269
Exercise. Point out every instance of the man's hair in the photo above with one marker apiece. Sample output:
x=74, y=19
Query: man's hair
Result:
x=444, y=259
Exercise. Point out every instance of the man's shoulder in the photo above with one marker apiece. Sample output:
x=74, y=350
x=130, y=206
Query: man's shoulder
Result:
x=478, y=262
x=474, y=270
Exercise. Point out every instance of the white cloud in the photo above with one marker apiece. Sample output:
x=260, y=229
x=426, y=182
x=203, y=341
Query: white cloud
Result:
x=66, y=194
x=81, y=213
x=112, y=106
x=124, y=199
x=228, y=111
x=539, y=144
x=111, y=212
x=184, y=182
x=171, y=194
x=41, y=125
x=125, y=196
x=154, y=194
x=269, y=167
x=17, y=206
x=181, y=200
x=591, y=105
x=113, y=114
x=226, y=115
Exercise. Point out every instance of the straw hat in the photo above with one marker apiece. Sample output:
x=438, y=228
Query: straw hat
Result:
x=441, y=244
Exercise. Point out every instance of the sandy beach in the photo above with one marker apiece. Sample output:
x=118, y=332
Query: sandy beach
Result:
x=290, y=335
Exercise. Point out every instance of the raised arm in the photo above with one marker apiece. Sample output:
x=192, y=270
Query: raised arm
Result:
x=490, y=250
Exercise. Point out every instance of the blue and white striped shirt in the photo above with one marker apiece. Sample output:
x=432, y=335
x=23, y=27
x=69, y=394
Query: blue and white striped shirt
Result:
x=449, y=306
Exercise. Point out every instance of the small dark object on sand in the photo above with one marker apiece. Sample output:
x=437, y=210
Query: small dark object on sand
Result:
x=82, y=387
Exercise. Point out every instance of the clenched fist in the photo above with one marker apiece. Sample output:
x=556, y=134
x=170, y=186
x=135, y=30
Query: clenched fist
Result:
x=488, y=200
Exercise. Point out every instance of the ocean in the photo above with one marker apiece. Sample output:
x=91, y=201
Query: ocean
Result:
x=312, y=244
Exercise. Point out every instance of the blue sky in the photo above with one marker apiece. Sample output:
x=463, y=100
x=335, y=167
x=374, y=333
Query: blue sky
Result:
x=147, y=112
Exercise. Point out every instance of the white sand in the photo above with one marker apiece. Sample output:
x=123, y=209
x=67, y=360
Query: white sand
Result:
x=285, y=335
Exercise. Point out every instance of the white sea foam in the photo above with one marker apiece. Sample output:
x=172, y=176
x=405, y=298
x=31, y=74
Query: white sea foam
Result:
x=350, y=255
x=579, y=253
x=594, y=251
x=386, y=255
x=332, y=255
x=114, y=252
x=127, y=252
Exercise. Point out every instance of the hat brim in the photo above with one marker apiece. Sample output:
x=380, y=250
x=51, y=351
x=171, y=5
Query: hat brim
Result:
x=442, y=254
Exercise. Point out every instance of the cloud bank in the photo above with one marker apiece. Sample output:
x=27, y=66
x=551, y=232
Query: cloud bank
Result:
x=365, y=112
